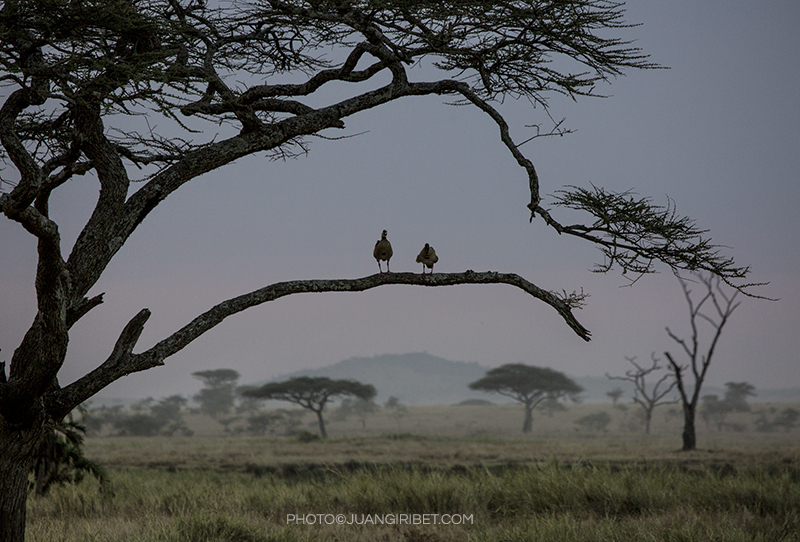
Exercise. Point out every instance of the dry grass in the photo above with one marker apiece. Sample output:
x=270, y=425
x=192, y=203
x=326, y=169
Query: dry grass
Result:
x=555, y=484
x=450, y=435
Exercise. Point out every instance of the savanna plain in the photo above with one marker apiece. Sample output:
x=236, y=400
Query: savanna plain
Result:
x=449, y=473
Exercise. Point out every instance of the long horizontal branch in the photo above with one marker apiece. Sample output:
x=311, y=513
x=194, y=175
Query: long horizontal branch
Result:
x=122, y=362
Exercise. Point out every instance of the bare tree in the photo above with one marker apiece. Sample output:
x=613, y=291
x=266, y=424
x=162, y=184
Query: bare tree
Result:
x=646, y=398
x=145, y=97
x=721, y=305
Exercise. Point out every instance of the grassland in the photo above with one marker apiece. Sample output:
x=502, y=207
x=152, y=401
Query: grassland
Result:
x=469, y=462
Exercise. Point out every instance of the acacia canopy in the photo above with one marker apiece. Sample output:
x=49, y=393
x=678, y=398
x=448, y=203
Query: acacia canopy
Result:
x=527, y=385
x=145, y=96
x=312, y=393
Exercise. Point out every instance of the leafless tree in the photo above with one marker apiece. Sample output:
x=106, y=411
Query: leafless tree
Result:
x=646, y=398
x=720, y=305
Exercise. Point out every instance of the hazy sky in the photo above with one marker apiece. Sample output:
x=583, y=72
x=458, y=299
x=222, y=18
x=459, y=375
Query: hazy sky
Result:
x=719, y=133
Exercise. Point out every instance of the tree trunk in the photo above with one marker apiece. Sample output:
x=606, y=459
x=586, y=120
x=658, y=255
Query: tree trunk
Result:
x=648, y=416
x=44, y=464
x=12, y=500
x=322, y=431
x=18, y=451
x=689, y=436
x=526, y=427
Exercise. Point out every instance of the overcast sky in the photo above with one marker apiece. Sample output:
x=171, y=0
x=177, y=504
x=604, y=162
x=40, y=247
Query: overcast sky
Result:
x=719, y=133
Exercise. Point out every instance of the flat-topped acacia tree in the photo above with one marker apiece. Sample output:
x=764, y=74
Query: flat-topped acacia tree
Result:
x=206, y=84
x=312, y=393
x=527, y=385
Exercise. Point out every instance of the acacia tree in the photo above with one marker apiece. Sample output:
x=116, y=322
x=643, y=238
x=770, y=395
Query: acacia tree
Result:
x=735, y=400
x=145, y=97
x=312, y=393
x=360, y=408
x=217, y=397
x=736, y=395
x=722, y=304
x=646, y=398
x=527, y=385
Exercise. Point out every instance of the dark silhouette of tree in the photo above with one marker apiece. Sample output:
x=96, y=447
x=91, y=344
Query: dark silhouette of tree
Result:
x=397, y=410
x=646, y=398
x=527, y=385
x=615, y=394
x=146, y=97
x=736, y=395
x=721, y=305
x=552, y=404
x=138, y=424
x=716, y=410
x=312, y=393
x=595, y=422
x=60, y=459
x=274, y=422
x=787, y=418
x=360, y=408
x=217, y=397
x=150, y=419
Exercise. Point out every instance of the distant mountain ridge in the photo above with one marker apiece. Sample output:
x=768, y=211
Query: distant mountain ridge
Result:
x=416, y=378
x=424, y=379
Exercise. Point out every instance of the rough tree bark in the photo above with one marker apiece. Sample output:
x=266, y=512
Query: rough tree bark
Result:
x=16, y=462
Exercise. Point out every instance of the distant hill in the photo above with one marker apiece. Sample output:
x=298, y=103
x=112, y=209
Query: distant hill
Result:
x=416, y=379
x=425, y=379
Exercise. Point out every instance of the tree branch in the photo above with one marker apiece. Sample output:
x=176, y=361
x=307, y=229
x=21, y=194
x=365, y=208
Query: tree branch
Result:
x=633, y=232
x=60, y=402
x=505, y=137
x=724, y=310
x=122, y=362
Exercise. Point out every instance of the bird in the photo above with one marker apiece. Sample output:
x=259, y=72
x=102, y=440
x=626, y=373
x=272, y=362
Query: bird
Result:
x=383, y=251
x=427, y=257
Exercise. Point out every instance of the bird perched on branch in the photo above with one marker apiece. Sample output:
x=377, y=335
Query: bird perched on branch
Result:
x=427, y=257
x=383, y=251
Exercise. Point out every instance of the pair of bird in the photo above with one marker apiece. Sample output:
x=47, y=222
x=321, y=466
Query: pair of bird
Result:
x=383, y=251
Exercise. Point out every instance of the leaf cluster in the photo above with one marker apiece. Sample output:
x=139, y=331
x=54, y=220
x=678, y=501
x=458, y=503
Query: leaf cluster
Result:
x=633, y=233
x=60, y=459
x=521, y=382
x=311, y=392
x=227, y=63
x=217, y=378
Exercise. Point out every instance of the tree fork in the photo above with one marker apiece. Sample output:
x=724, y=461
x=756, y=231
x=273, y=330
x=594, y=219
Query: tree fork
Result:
x=123, y=362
